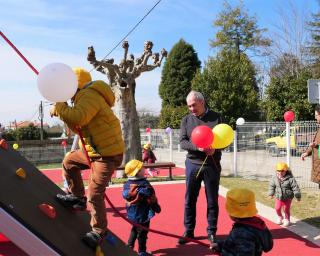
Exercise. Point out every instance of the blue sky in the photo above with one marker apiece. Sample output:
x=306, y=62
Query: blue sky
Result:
x=60, y=31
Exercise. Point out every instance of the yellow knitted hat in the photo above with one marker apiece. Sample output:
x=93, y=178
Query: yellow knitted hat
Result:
x=241, y=203
x=147, y=146
x=83, y=77
x=282, y=167
x=133, y=167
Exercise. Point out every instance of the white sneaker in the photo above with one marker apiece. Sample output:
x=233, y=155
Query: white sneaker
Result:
x=286, y=222
x=279, y=221
x=150, y=173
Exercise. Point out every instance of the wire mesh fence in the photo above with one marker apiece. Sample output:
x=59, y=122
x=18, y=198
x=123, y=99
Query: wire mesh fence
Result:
x=260, y=146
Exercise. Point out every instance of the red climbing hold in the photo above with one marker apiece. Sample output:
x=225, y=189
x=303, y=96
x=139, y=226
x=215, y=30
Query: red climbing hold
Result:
x=48, y=210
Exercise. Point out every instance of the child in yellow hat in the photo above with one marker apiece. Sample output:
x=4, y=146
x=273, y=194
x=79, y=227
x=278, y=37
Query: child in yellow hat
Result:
x=141, y=203
x=149, y=157
x=249, y=234
x=284, y=187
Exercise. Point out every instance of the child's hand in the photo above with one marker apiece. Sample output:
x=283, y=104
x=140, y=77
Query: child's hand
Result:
x=209, y=151
x=303, y=156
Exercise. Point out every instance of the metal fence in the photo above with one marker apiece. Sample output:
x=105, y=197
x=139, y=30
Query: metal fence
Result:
x=260, y=146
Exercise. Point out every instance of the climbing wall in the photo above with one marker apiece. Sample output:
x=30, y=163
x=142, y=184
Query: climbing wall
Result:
x=23, y=188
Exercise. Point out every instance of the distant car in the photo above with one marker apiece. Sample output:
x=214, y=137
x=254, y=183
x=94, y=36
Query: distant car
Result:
x=299, y=141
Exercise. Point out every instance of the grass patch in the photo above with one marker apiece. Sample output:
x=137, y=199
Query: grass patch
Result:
x=49, y=166
x=307, y=209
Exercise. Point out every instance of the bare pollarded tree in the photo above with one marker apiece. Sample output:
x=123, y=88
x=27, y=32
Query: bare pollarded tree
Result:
x=122, y=78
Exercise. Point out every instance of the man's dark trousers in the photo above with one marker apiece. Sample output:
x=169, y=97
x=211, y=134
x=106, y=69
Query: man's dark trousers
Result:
x=210, y=175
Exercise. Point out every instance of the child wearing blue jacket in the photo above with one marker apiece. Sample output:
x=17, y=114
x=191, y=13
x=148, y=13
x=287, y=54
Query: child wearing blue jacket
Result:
x=141, y=204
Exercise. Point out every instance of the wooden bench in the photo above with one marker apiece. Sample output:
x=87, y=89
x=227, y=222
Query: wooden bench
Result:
x=167, y=165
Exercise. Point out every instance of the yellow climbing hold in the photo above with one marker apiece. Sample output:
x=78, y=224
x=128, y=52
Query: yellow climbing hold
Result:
x=21, y=173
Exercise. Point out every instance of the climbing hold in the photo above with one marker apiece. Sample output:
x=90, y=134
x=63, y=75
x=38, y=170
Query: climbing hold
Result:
x=99, y=252
x=48, y=210
x=21, y=173
x=3, y=144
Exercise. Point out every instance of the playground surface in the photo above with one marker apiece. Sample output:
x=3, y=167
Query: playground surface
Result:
x=170, y=220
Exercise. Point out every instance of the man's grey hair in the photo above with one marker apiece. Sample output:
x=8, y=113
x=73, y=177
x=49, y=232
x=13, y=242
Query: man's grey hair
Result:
x=197, y=95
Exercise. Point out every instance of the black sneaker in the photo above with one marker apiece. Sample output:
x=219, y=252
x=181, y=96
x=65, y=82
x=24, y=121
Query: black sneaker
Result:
x=144, y=254
x=212, y=240
x=185, y=234
x=130, y=246
x=92, y=239
x=73, y=202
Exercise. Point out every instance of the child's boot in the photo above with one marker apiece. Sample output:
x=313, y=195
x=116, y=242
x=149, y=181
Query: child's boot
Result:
x=73, y=202
x=286, y=222
x=279, y=221
x=144, y=254
x=92, y=239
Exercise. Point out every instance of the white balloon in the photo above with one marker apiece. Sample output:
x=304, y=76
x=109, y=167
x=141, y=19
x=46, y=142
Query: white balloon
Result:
x=57, y=82
x=240, y=121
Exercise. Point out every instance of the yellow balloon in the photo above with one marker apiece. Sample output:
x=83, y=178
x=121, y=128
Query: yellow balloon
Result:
x=222, y=136
x=15, y=146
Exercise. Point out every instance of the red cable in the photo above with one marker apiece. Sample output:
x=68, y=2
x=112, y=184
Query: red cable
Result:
x=19, y=53
x=124, y=217
x=152, y=230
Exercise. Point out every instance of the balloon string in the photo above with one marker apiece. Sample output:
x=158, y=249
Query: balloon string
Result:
x=201, y=166
x=19, y=53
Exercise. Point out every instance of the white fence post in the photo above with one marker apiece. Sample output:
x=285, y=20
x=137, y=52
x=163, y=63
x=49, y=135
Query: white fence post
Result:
x=235, y=152
x=170, y=145
x=288, y=135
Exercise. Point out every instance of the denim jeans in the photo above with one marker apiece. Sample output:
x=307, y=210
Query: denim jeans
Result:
x=141, y=235
x=210, y=175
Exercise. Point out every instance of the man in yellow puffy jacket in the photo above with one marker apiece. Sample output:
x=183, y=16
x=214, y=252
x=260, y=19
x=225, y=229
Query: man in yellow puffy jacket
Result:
x=101, y=130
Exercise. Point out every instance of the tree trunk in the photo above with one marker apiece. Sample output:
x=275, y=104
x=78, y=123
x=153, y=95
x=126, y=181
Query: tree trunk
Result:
x=125, y=110
x=122, y=80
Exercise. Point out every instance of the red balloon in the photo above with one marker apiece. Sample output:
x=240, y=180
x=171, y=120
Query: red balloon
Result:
x=288, y=116
x=202, y=136
x=64, y=143
x=148, y=129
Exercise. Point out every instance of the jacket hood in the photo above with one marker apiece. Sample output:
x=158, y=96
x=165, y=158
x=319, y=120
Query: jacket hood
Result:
x=104, y=89
x=258, y=227
x=253, y=221
x=287, y=176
